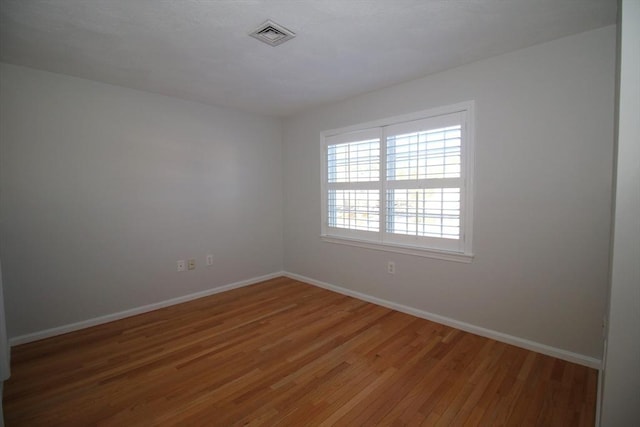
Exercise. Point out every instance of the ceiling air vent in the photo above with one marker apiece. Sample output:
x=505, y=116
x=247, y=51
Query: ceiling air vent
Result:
x=272, y=34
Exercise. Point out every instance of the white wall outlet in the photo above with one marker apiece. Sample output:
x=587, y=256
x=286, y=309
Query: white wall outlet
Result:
x=191, y=265
x=181, y=265
x=391, y=267
x=209, y=260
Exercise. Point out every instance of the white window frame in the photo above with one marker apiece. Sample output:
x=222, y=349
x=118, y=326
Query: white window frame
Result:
x=437, y=248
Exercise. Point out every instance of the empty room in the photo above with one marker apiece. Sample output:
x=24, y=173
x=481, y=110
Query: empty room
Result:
x=316, y=213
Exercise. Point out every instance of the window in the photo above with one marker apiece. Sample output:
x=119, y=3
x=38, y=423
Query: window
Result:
x=402, y=184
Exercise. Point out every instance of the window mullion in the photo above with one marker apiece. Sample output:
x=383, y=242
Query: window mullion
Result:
x=383, y=184
x=365, y=185
x=426, y=183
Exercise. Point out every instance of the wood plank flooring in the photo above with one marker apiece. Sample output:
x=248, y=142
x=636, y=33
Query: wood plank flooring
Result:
x=287, y=353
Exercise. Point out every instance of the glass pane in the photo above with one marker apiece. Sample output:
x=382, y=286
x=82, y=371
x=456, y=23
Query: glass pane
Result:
x=425, y=155
x=357, y=161
x=432, y=212
x=354, y=209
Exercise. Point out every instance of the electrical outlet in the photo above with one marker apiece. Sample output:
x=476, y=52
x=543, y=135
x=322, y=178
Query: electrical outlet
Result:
x=391, y=267
x=209, y=260
x=191, y=264
x=181, y=265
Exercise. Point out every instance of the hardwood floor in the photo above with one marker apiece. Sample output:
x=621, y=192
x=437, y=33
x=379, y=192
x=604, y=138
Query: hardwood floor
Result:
x=286, y=353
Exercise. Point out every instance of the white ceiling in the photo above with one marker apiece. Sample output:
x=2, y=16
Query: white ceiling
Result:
x=200, y=49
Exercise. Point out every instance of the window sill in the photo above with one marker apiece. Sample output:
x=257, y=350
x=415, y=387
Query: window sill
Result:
x=408, y=250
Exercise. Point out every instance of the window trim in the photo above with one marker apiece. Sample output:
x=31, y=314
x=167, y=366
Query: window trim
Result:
x=349, y=237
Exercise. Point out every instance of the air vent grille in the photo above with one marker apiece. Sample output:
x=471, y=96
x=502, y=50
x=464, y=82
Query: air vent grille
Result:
x=272, y=34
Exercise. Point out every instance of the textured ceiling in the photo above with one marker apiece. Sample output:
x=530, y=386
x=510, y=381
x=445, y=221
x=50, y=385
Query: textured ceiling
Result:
x=200, y=49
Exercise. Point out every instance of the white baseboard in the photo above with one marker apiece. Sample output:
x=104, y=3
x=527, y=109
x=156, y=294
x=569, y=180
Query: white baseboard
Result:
x=477, y=330
x=47, y=333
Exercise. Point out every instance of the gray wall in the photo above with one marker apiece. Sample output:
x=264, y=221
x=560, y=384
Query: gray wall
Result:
x=621, y=396
x=104, y=188
x=5, y=351
x=544, y=142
